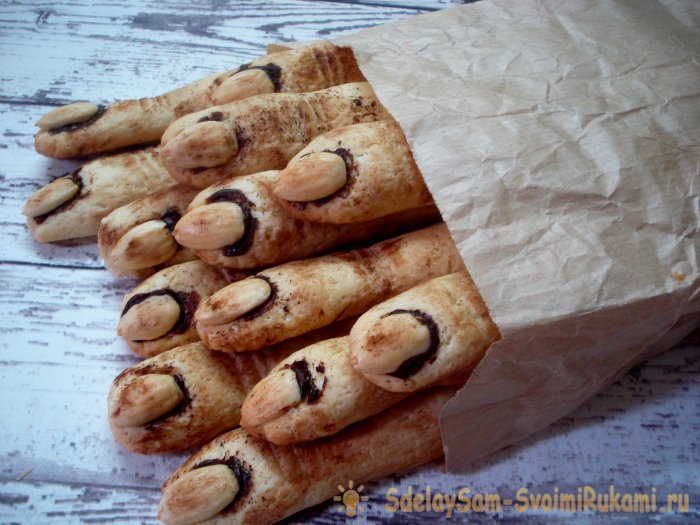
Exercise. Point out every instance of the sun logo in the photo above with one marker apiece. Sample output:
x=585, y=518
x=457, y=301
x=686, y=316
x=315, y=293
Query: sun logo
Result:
x=350, y=499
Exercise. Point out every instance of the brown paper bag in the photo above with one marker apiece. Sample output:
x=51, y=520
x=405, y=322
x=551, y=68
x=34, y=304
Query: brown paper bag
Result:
x=561, y=141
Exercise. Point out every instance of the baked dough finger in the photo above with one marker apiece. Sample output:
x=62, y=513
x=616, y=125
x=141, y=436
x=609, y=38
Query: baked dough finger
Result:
x=260, y=133
x=72, y=206
x=314, y=393
x=352, y=174
x=238, y=478
x=296, y=297
x=136, y=240
x=183, y=397
x=158, y=314
x=423, y=335
x=239, y=224
x=188, y=395
x=84, y=128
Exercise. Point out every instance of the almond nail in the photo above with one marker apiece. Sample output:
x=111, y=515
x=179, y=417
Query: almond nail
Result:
x=202, y=145
x=311, y=177
x=210, y=226
x=233, y=301
x=271, y=397
x=197, y=495
x=70, y=114
x=150, y=319
x=143, y=246
x=242, y=85
x=50, y=197
x=391, y=341
x=144, y=399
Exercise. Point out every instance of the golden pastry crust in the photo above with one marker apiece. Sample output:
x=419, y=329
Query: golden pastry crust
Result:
x=309, y=68
x=104, y=184
x=212, y=386
x=303, y=69
x=266, y=235
x=260, y=133
x=311, y=293
x=420, y=337
x=136, y=239
x=276, y=481
x=185, y=285
x=380, y=176
x=313, y=393
x=316, y=392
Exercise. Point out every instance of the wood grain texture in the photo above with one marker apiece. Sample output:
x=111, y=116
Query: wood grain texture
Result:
x=61, y=503
x=59, y=308
x=144, y=48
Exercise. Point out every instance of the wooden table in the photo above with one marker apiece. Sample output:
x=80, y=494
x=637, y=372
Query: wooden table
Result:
x=59, y=306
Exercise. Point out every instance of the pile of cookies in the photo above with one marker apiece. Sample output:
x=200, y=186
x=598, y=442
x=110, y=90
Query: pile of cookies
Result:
x=297, y=366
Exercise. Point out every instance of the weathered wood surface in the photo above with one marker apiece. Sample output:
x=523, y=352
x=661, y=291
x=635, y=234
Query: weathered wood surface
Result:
x=59, y=307
x=60, y=52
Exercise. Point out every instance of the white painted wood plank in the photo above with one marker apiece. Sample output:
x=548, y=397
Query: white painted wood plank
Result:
x=66, y=317
x=407, y=4
x=54, y=52
x=68, y=504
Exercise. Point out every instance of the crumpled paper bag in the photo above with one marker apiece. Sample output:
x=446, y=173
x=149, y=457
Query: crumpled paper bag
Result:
x=561, y=141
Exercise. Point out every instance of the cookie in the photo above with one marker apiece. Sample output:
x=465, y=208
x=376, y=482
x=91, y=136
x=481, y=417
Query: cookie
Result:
x=74, y=205
x=158, y=314
x=238, y=478
x=239, y=224
x=84, y=128
x=260, y=133
x=300, y=296
x=136, y=240
x=186, y=396
x=423, y=335
x=352, y=174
